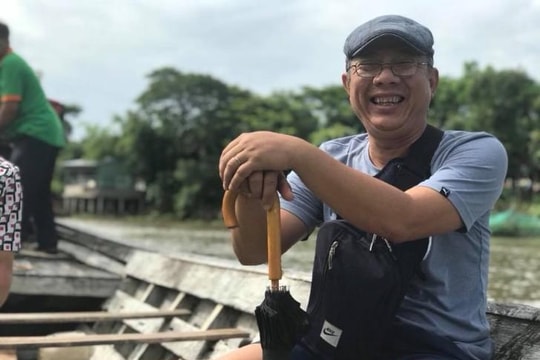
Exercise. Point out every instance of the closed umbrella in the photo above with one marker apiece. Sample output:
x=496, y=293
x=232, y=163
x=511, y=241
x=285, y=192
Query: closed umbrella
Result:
x=280, y=318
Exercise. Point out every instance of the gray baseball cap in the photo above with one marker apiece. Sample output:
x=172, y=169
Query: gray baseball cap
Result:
x=407, y=30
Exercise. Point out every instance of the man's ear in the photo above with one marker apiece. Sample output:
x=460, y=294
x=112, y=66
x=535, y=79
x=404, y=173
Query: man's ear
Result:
x=345, y=80
x=433, y=80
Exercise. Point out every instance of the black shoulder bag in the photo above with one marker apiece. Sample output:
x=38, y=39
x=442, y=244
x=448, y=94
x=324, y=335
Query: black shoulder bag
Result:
x=359, y=279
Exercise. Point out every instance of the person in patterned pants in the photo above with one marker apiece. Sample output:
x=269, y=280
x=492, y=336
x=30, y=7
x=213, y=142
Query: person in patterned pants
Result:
x=10, y=222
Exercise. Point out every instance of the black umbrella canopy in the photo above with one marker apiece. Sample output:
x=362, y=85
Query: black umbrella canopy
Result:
x=281, y=323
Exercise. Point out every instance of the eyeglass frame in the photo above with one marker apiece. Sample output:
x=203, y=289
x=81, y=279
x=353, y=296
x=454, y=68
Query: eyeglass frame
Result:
x=391, y=65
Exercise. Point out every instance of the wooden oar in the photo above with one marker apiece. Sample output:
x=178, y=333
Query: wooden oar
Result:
x=85, y=316
x=13, y=342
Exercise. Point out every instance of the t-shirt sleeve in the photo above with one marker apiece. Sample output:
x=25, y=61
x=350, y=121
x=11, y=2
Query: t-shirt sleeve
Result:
x=305, y=205
x=10, y=207
x=470, y=172
x=11, y=81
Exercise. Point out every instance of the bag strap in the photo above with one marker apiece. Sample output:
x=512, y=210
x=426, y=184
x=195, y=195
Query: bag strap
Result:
x=408, y=171
x=405, y=172
x=421, y=151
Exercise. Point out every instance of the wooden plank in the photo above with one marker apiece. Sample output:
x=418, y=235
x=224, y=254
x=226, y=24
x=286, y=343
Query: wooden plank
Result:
x=185, y=349
x=92, y=258
x=124, y=302
x=215, y=279
x=515, y=330
x=114, y=249
x=517, y=311
x=106, y=352
x=14, y=342
x=169, y=302
x=29, y=253
x=85, y=316
x=60, y=277
x=193, y=349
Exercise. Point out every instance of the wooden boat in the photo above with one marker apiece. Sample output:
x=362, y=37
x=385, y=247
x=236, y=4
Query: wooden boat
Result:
x=195, y=307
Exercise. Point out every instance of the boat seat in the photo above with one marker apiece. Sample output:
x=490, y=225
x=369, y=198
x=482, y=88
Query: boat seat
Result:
x=146, y=315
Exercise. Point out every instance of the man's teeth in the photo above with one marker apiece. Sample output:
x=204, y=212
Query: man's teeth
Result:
x=387, y=100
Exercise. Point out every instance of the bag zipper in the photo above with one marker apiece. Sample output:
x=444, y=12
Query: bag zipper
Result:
x=331, y=254
x=374, y=238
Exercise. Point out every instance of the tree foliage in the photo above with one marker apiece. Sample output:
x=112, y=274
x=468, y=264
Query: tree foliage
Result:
x=182, y=121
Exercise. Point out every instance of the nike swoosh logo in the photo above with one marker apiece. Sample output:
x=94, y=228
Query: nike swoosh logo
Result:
x=329, y=332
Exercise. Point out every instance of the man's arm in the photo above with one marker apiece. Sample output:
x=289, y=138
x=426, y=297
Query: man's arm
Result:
x=248, y=352
x=249, y=238
x=8, y=112
x=366, y=202
x=6, y=269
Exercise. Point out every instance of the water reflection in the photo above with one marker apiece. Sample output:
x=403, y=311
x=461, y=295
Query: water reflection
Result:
x=514, y=274
x=515, y=270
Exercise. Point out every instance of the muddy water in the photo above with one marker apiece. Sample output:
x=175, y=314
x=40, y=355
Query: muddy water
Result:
x=514, y=269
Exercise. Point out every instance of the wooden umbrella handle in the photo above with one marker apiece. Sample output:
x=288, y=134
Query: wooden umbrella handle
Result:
x=273, y=241
x=228, y=209
x=273, y=232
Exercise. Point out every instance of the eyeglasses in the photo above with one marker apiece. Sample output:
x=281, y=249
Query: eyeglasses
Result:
x=402, y=68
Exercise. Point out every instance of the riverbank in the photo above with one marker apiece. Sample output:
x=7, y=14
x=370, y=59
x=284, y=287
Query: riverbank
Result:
x=514, y=223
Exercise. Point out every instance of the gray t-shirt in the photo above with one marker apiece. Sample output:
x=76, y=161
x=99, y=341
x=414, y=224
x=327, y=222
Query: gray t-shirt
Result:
x=471, y=168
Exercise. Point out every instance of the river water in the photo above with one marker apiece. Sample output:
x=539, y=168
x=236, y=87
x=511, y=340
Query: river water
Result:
x=514, y=267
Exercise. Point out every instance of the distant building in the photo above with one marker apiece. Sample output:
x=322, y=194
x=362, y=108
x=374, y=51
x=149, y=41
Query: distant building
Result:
x=103, y=187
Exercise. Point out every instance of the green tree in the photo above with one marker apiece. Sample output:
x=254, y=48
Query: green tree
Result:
x=176, y=136
x=283, y=112
x=448, y=104
x=332, y=108
x=502, y=102
x=71, y=111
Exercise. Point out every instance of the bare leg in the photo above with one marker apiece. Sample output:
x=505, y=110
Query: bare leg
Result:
x=248, y=352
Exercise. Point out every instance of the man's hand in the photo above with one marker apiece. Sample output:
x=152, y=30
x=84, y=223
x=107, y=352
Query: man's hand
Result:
x=264, y=184
x=260, y=151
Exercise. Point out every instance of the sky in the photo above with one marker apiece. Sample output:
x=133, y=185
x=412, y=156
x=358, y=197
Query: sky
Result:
x=97, y=53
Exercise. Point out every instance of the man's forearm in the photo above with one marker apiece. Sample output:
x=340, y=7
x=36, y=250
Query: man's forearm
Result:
x=368, y=203
x=8, y=112
x=249, y=238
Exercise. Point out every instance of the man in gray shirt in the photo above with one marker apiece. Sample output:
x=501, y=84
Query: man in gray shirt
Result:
x=390, y=81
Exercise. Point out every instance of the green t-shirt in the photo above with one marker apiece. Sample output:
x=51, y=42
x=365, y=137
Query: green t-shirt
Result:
x=35, y=117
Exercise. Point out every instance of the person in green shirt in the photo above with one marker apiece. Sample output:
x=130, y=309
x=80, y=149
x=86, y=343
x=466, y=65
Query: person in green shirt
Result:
x=36, y=135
